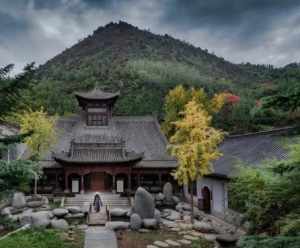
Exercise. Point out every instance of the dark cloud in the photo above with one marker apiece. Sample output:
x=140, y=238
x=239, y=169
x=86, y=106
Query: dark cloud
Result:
x=258, y=31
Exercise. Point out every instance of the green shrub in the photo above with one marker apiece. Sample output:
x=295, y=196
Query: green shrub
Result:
x=269, y=242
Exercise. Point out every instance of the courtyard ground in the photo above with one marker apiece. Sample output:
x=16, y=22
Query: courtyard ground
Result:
x=134, y=239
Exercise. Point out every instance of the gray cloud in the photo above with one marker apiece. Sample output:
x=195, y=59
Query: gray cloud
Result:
x=258, y=31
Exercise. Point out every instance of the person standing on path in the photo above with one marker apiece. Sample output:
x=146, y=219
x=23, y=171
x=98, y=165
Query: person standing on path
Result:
x=97, y=203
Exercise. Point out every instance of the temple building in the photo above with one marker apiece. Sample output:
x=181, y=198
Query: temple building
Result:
x=97, y=151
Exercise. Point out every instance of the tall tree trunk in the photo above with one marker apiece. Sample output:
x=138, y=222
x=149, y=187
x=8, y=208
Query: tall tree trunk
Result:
x=192, y=202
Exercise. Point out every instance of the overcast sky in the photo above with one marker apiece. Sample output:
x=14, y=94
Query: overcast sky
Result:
x=256, y=31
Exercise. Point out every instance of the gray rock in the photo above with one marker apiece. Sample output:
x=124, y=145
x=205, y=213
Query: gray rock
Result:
x=74, y=209
x=18, y=200
x=117, y=225
x=175, y=199
x=35, y=204
x=41, y=219
x=118, y=212
x=168, y=193
x=150, y=223
x=160, y=197
x=25, y=219
x=172, y=242
x=182, y=206
x=60, y=212
x=203, y=227
x=6, y=211
x=157, y=215
x=82, y=227
x=144, y=203
x=160, y=244
x=174, y=215
x=135, y=222
x=60, y=224
x=226, y=239
x=75, y=216
x=45, y=200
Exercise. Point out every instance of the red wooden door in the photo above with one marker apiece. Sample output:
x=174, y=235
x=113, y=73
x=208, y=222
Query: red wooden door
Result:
x=98, y=182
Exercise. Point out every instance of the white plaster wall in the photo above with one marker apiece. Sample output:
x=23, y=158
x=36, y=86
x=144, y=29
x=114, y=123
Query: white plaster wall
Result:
x=218, y=189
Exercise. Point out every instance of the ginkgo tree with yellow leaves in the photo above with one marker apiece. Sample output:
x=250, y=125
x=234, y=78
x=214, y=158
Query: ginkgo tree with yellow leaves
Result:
x=42, y=128
x=194, y=144
x=178, y=97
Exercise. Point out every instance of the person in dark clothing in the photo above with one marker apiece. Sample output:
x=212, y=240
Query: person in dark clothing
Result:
x=97, y=203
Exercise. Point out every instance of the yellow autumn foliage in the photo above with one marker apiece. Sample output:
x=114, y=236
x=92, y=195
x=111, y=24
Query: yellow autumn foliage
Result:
x=195, y=143
x=43, y=130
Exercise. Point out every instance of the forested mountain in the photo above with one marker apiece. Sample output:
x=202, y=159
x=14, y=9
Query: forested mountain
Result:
x=144, y=67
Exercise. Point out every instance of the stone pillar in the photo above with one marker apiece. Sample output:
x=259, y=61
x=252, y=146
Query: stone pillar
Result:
x=67, y=190
x=114, y=183
x=82, y=184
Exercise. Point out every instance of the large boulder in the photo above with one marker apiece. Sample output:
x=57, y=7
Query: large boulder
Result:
x=203, y=227
x=74, y=209
x=60, y=212
x=35, y=204
x=157, y=215
x=144, y=203
x=117, y=225
x=26, y=217
x=118, y=212
x=6, y=211
x=18, y=200
x=150, y=223
x=135, y=222
x=168, y=193
x=227, y=239
x=41, y=219
x=60, y=224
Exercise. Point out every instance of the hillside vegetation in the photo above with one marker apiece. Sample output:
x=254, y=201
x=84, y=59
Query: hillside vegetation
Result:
x=144, y=67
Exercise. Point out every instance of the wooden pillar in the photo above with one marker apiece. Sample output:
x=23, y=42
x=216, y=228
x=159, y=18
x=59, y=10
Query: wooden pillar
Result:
x=139, y=179
x=67, y=190
x=56, y=181
x=82, y=184
x=129, y=184
x=114, y=183
x=159, y=180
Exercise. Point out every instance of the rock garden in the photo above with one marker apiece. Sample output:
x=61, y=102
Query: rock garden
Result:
x=165, y=215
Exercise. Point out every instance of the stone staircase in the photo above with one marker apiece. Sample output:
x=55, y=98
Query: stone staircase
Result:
x=109, y=199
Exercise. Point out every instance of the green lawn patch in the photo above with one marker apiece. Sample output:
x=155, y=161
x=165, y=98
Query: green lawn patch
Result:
x=43, y=238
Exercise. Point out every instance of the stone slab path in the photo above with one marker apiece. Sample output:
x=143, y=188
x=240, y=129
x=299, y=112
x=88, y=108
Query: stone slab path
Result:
x=100, y=237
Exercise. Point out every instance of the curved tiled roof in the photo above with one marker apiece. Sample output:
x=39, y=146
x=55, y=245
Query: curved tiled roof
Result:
x=141, y=135
x=252, y=149
x=97, y=94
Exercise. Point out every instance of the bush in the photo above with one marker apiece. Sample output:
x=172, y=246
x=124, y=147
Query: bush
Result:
x=269, y=242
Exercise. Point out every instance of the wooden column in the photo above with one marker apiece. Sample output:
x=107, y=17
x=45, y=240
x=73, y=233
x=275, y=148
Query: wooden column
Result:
x=139, y=179
x=159, y=180
x=67, y=190
x=114, y=183
x=82, y=184
x=129, y=184
x=56, y=181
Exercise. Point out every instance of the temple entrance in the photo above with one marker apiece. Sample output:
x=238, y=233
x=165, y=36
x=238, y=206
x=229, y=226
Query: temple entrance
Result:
x=206, y=194
x=100, y=181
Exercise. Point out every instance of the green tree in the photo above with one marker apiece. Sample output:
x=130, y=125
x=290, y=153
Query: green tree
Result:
x=17, y=174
